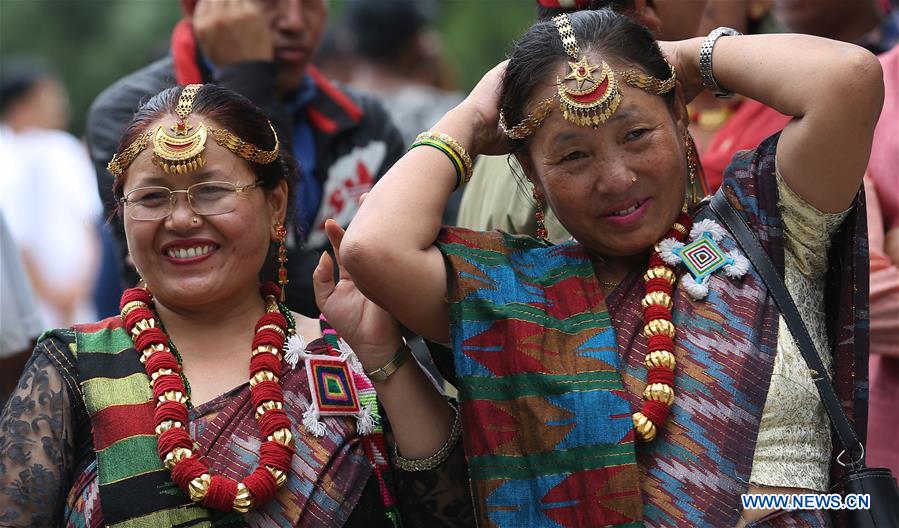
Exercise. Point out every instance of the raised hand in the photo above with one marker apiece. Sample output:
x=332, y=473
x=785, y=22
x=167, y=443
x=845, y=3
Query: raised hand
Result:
x=232, y=31
x=372, y=332
x=482, y=104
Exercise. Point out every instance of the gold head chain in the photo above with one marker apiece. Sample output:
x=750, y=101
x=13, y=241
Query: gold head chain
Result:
x=182, y=151
x=585, y=98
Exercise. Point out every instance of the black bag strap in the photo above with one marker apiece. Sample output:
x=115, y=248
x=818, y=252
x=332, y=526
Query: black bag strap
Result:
x=775, y=284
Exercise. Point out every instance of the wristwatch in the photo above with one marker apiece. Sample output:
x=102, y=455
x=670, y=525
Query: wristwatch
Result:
x=705, y=61
x=382, y=373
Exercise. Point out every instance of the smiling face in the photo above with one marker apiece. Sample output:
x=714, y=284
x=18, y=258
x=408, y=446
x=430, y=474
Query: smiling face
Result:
x=588, y=175
x=189, y=264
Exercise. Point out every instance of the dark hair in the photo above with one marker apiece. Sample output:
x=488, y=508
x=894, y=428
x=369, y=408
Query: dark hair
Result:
x=229, y=110
x=545, y=13
x=18, y=77
x=535, y=56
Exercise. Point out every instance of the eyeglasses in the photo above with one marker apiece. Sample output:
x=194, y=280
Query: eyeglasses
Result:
x=205, y=199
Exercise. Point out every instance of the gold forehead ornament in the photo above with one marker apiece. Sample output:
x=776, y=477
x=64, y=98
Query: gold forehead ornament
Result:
x=589, y=94
x=182, y=151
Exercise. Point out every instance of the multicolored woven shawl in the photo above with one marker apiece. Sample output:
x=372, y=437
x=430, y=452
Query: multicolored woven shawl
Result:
x=548, y=431
x=527, y=318
x=329, y=473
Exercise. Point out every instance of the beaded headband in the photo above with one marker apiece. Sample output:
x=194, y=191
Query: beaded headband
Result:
x=585, y=99
x=182, y=151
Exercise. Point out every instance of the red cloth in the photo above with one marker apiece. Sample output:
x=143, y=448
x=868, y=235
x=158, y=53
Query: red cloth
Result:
x=749, y=125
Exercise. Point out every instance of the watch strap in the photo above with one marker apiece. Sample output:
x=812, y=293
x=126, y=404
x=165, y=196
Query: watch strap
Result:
x=384, y=372
x=705, y=61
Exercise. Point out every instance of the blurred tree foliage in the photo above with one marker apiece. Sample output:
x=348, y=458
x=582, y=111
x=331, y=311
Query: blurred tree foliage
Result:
x=91, y=43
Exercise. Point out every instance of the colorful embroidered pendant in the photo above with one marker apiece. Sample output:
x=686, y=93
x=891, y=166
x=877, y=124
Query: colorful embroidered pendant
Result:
x=333, y=391
x=337, y=387
x=703, y=256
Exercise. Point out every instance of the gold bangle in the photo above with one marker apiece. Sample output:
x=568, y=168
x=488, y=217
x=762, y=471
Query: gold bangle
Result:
x=456, y=147
x=384, y=372
x=438, y=458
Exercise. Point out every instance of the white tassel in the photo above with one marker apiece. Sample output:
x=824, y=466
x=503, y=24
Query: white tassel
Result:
x=312, y=423
x=695, y=289
x=348, y=355
x=666, y=251
x=365, y=422
x=709, y=226
x=739, y=265
x=294, y=350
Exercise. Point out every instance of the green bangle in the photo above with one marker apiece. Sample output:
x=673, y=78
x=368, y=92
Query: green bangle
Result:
x=454, y=159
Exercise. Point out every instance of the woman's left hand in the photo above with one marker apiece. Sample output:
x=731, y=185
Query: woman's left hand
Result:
x=370, y=330
x=684, y=56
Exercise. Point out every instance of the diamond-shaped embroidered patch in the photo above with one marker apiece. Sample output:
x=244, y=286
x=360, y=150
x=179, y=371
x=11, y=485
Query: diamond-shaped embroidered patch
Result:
x=702, y=257
x=331, y=385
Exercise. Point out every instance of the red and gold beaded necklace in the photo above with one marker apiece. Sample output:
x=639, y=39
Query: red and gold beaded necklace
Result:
x=659, y=330
x=176, y=448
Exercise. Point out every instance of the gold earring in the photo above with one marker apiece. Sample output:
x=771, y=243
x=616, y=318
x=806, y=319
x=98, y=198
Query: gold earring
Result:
x=539, y=216
x=281, y=238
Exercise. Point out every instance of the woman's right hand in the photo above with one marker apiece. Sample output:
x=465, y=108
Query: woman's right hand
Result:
x=481, y=111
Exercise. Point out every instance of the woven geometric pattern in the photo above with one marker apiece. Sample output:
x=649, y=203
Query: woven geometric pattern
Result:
x=332, y=386
x=702, y=257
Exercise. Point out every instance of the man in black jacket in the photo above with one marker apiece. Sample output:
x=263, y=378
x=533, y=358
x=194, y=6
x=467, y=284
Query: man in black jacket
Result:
x=262, y=49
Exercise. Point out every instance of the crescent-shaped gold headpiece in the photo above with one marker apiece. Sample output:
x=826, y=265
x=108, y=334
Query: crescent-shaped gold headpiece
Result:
x=182, y=151
x=585, y=97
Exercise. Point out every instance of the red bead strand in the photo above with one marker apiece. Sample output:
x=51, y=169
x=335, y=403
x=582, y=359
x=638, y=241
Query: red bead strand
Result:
x=191, y=473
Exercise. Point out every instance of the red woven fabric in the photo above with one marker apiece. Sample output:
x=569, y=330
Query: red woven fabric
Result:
x=221, y=493
x=656, y=311
x=265, y=361
x=265, y=391
x=261, y=484
x=273, y=420
x=135, y=294
x=659, y=284
x=655, y=261
x=169, y=382
x=170, y=411
x=268, y=337
x=150, y=336
x=274, y=318
x=175, y=437
x=659, y=342
x=270, y=288
x=135, y=315
x=275, y=455
x=187, y=470
x=656, y=411
x=661, y=375
x=162, y=360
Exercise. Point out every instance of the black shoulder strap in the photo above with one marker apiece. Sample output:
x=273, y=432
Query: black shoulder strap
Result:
x=775, y=284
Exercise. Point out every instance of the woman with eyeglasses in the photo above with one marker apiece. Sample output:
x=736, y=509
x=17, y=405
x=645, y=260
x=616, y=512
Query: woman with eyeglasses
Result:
x=207, y=402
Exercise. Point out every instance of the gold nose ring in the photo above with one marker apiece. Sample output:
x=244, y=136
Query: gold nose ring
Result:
x=195, y=220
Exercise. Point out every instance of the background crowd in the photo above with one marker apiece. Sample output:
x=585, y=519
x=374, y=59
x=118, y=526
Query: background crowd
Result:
x=61, y=262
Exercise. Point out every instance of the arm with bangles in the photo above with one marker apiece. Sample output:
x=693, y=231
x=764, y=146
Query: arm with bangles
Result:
x=389, y=248
x=833, y=90
x=434, y=482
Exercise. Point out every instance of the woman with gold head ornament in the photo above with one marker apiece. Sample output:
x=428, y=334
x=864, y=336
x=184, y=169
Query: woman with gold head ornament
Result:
x=638, y=373
x=207, y=402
